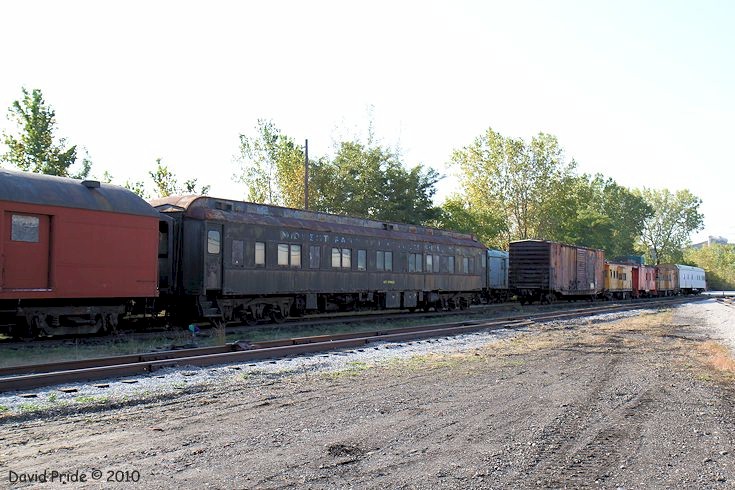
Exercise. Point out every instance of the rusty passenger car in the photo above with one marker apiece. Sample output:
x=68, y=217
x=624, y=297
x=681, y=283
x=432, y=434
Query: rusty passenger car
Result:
x=545, y=271
x=239, y=261
x=73, y=254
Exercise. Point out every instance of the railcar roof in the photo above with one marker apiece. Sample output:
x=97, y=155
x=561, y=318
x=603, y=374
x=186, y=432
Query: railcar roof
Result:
x=551, y=242
x=50, y=190
x=206, y=207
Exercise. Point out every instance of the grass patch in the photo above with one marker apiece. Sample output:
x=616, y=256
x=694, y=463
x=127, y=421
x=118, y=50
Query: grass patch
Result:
x=91, y=399
x=717, y=356
x=352, y=369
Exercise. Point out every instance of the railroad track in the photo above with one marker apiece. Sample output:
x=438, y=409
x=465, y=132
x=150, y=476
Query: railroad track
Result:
x=27, y=377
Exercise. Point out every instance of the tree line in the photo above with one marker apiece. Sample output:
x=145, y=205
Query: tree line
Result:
x=510, y=188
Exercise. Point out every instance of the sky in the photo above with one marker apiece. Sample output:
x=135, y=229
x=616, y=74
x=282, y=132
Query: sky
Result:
x=639, y=91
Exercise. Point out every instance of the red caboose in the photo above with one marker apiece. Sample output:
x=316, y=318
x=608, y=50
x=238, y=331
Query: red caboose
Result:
x=73, y=254
x=644, y=281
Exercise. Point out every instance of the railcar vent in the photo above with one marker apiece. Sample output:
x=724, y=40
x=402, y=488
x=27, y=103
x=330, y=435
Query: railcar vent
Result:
x=223, y=206
x=91, y=184
x=387, y=226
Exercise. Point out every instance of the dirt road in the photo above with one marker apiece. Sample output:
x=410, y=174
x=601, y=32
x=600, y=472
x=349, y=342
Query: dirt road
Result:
x=644, y=402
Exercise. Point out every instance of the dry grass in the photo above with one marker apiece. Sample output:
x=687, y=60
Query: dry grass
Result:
x=717, y=356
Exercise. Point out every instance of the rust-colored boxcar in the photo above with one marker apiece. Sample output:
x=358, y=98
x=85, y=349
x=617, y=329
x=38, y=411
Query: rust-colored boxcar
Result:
x=239, y=261
x=72, y=253
x=543, y=270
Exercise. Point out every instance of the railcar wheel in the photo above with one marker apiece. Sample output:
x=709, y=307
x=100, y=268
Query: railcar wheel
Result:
x=277, y=316
x=99, y=325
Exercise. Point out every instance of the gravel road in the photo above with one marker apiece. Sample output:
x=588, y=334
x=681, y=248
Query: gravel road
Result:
x=638, y=401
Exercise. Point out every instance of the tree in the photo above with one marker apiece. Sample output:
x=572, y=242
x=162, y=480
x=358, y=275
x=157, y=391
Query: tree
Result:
x=32, y=147
x=457, y=214
x=271, y=167
x=718, y=261
x=166, y=183
x=605, y=215
x=526, y=183
x=675, y=217
x=369, y=181
x=363, y=180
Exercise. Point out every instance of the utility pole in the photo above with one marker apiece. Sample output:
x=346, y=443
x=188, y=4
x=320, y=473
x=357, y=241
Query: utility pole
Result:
x=306, y=174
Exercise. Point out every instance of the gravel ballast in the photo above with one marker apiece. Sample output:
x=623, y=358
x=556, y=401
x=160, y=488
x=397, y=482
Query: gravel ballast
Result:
x=624, y=401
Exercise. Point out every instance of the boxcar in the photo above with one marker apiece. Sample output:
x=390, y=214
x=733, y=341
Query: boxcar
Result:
x=497, y=276
x=618, y=281
x=239, y=261
x=545, y=271
x=73, y=253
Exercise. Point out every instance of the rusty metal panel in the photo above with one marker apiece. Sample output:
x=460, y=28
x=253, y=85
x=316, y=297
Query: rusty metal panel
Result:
x=555, y=267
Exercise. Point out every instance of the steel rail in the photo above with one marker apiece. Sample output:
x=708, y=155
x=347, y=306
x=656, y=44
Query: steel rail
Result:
x=40, y=375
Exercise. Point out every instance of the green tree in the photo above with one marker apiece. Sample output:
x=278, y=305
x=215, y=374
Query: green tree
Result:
x=271, y=165
x=166, y=182
x=675, y=217
x=604, y=215
x=718, y=261
x=526, y=183
x=457, y=214
x=32, y=147
x=369, y=181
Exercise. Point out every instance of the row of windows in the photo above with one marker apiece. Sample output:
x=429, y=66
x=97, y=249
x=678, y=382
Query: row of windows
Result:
x=290, y=255
x=618, y=275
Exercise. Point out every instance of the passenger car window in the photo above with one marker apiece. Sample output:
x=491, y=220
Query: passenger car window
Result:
x=295, y=256
x=282, y=254
x=213, y=241
x=361, y=260
x=260, y=253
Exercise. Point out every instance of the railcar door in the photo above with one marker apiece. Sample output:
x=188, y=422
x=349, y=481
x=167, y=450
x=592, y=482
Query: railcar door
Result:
x=26, y=257
x=213, y=260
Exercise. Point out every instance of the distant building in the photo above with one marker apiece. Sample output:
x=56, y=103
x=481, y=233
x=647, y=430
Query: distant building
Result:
x=711, y=241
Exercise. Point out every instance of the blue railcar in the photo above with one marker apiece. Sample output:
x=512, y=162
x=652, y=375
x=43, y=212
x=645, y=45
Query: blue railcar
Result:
x=497, y=276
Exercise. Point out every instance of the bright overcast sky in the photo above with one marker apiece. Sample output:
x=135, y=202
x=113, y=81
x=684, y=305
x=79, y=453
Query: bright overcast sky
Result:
x=641, y=91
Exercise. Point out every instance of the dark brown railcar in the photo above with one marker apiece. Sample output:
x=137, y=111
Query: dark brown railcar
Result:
x=239, y=261
x=72, y=254
x=544, y=271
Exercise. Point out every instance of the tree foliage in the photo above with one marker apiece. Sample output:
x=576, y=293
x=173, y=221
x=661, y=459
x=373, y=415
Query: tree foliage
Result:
x=458, y=214
x=666, y=232
x=362, y=180
x=271, y=167
x=32, y=147
x=523, y=182
x=166, y=183
x=603, y=214
x=371, y=182
x=719, y=262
